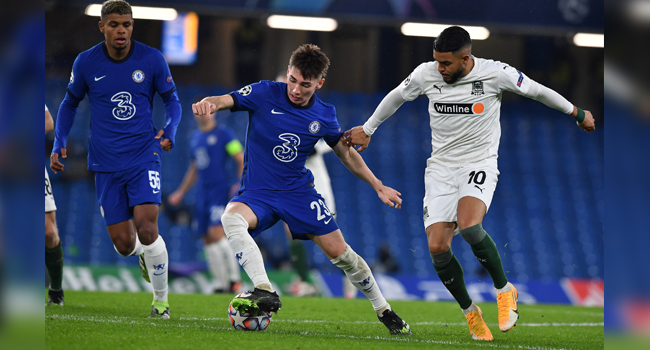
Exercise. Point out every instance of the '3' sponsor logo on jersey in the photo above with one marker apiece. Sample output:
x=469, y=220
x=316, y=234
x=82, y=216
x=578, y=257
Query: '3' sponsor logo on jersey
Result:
x=288, y=151
x=125, y=109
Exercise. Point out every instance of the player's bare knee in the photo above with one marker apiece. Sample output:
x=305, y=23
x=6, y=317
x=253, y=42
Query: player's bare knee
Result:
x=124, y=246
x=147, y=231
x=438, y=247
x=51, y=236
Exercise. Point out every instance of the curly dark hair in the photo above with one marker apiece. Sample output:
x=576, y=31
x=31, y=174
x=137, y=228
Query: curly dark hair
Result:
x=310, y=61
x=119, y=7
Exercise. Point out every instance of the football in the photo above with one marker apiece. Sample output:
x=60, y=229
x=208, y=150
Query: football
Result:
x=246, y=321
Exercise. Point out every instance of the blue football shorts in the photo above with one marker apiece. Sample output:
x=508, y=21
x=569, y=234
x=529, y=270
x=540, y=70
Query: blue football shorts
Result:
x=304, y=211
x=119, y=192
x=211, y=201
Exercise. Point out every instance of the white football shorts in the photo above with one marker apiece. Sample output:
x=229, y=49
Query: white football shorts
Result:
x=49, y=198
x=445, y=186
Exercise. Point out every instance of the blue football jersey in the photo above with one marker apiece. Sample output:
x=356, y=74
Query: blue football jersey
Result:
x=210, y=151
x=121, y=100
x=281, y=135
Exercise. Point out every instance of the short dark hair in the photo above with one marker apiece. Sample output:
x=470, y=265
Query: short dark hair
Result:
x=452, y=39
x=119, y=7
x=310, y=61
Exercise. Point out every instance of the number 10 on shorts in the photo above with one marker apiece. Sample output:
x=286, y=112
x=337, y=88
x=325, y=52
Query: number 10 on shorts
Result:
x=154, y=180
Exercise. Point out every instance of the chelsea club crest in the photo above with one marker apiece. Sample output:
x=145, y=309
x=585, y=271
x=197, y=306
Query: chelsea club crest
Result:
x=138, y=76
x=314, y=127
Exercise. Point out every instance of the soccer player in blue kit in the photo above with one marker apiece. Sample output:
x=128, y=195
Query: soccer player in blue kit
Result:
x=120, y=77
x=211, y=146
x=285, y=122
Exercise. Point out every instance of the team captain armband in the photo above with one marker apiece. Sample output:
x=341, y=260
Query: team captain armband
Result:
x=580, y=117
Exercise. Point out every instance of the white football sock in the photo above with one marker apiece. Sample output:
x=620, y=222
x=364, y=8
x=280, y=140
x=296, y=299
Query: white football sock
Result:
x=155, y=256
x=231, y=261
x=216, y=264
x=247, y=252
x=361, y=277
x=137, y=250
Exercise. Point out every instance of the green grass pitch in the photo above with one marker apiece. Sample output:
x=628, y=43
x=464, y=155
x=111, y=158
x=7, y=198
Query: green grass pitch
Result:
x=101, y=320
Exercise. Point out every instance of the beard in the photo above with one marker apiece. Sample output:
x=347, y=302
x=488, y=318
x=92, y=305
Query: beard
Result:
x=454, y=77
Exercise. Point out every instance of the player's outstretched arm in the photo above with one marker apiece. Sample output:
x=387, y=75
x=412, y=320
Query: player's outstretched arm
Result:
x=188, y=181
x=360, y=136
x=213, y=104
x=353, y=161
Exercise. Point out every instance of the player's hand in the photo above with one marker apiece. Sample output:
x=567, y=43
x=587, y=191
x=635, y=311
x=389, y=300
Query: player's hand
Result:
x=390, y=197
x=588, y=123
x=55, y=164
x=356, y=137
x=175, y=198
x=165, y=143
x=204, y=108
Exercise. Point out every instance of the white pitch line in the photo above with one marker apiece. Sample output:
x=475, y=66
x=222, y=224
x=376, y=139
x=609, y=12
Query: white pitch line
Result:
x=157, y=323
x=447, y=324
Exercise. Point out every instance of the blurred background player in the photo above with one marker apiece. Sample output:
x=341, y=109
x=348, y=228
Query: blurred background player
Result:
x=285, y=123
x=211, y=146
x=120, y=76
x=297, y=252
x=53, y=247
x=465, y=100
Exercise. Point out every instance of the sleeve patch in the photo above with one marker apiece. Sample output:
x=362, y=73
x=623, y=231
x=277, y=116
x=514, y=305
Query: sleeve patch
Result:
x=245, y=91
x=521, y=78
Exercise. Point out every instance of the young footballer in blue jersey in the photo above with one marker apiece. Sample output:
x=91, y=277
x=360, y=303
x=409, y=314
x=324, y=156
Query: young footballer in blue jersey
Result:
x=120, y=77
x=285, y=122
x=211, y=147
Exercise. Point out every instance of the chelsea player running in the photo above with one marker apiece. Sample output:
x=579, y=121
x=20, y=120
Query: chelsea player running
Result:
x=120, y=77
x=285, y=122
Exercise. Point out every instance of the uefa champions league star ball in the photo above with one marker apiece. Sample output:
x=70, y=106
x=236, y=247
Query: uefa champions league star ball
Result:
x=247, y=322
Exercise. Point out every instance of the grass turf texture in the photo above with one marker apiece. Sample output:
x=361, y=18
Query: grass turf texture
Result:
x=101, y=320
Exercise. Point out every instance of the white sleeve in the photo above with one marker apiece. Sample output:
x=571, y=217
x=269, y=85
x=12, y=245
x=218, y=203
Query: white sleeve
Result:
x=515, y=81
x=408, y=90
x=386, y=108
x=549, y=97
x=46, y=108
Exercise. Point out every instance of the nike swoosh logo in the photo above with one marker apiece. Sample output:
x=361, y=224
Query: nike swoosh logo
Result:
x=100, y=78
x=158, y=274
x=154, y=191
x=328, y=221
x=274, y=112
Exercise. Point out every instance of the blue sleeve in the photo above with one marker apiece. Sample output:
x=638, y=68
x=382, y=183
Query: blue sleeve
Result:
x=77, y=87
x=64, y=120
x=162, y=79
x=173, y=113
x=250, y=97
x=333, y=131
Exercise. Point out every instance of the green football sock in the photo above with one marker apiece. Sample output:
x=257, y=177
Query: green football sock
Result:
x=299, y=260
x=451, y=275
x=486, y=252
x=54, y=264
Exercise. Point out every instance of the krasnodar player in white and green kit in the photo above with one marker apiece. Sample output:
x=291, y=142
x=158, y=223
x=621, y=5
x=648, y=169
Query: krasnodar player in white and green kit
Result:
x=464, y=106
